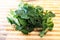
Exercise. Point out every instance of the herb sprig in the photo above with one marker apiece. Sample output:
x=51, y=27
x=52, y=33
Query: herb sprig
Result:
x=28, y=17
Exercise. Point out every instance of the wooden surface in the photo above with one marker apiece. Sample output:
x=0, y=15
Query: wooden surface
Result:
x=7, y=32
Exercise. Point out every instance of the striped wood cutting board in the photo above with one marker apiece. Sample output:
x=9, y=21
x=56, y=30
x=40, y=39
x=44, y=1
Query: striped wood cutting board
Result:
x=7, y=31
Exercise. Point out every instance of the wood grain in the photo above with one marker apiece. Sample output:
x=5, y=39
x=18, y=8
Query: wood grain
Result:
x=7, y=31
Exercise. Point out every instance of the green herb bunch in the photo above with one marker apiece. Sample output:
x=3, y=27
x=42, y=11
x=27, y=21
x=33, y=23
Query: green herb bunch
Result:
x=28, y=17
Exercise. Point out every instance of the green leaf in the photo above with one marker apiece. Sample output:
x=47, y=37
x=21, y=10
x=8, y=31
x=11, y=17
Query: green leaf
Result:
x=22, y=22
x=49, y=20
x=19, y=12
x=25, y=6
x=12, y=12
x=18, y=28
x=24, y=31
x=12, y=21
x=9, y=19
x=51, y=14
x=15, y=16
x=42, y=33
x=44, y=24
x=30, y=28
x=50, y=23
x=32, y=21
x=24, y=16
x=39, y=9
x=50, y=26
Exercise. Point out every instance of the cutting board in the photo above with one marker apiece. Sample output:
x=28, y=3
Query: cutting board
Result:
x=7, y=31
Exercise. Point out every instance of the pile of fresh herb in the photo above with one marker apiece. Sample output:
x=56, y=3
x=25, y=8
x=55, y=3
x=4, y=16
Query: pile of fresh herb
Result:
x=28, y=17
